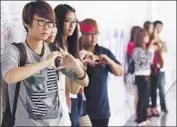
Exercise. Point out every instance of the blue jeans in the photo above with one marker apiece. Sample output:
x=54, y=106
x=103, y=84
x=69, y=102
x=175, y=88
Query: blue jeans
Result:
x=76, y=110
x=160, y=85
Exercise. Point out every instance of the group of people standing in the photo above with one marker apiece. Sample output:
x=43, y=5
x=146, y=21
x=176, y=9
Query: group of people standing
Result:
x=64, y=80
x=146, y=50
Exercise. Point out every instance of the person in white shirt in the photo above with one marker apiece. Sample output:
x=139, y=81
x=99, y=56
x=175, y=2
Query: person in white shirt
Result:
x=161, y=80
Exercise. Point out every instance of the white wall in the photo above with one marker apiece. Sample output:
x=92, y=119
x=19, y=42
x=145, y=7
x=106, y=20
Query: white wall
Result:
x=115, y=18
x=166, y=12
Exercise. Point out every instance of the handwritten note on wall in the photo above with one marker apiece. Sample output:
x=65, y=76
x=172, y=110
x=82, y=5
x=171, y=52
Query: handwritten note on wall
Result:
x=12, y=29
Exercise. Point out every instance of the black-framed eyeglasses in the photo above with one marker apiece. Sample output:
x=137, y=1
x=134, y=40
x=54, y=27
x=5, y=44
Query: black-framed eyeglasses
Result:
x=43, y=23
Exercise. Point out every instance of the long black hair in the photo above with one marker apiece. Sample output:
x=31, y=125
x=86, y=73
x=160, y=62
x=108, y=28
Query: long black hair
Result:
x=73, y=41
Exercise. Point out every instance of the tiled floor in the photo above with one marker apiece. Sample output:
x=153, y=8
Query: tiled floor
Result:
x=165, y=119
x=121, y=100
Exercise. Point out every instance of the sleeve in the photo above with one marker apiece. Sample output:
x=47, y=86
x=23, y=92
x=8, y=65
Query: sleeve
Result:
x=10, y=59
x=112, y=57
x=164, y=46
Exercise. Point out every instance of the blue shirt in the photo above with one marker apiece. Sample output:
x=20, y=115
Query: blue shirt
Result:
x=97, y=106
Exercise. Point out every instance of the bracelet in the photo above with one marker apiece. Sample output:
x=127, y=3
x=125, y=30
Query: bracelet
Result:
x=80, y=78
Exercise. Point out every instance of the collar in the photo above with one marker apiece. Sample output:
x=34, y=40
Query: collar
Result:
x=97, y=49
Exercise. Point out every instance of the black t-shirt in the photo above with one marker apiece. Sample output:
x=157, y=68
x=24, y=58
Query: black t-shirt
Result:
x=97, y=106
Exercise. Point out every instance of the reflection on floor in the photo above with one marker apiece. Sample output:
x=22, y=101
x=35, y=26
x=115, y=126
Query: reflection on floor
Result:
x=165, y=119
x=121, y=98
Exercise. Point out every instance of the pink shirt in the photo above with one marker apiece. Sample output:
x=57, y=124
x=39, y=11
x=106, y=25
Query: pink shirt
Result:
x=130, y=48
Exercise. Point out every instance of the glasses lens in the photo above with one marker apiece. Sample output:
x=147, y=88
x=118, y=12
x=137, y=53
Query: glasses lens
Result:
x=51, y=24
x=41, y=22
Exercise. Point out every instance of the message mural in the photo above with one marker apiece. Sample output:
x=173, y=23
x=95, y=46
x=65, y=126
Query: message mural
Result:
x=12, y=29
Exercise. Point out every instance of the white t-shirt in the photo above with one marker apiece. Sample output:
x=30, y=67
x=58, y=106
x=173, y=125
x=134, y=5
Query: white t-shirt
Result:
x=164, y=55
x=72, y=95
x=65, y=120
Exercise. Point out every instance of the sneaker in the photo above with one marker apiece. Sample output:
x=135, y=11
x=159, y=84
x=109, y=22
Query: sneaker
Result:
x=142, y=124
x=147, y=122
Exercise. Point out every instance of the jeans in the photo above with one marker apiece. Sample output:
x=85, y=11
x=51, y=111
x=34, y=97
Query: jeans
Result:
x=142, y=85
x=100, y=122
x=76, y=109
x=153, y=89
x=160, y=85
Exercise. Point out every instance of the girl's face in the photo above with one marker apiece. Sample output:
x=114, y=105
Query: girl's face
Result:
x=70, y=23
x=52, y=36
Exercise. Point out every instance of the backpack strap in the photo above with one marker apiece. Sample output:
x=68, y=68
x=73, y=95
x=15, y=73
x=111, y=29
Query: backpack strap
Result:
x=23, y=57
x=22, y=52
